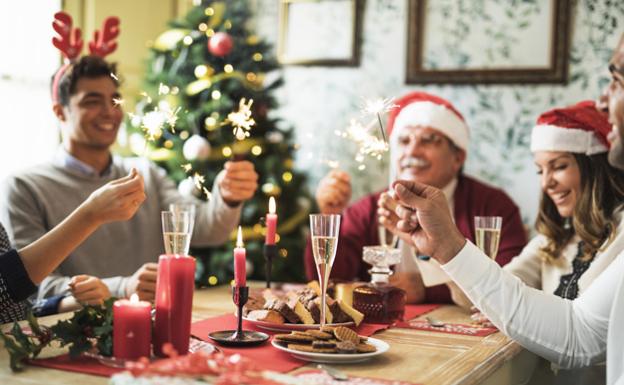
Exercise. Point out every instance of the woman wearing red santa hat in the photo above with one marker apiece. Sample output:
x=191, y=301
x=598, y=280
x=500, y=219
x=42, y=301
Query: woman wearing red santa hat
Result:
x=579, y=225
x=428, y=143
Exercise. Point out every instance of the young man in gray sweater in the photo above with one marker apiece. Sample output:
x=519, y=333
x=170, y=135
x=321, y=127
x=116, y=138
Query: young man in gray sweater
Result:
x=119, y=258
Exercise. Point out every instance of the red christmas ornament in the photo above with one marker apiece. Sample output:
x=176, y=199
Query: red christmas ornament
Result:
x=220, y=44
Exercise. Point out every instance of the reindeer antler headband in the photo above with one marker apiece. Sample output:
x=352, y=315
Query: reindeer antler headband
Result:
x=69, y=42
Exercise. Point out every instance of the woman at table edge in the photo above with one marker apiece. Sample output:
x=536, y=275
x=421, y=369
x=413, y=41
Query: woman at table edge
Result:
x=21, y=270
x=571, y=333
x=579, y=225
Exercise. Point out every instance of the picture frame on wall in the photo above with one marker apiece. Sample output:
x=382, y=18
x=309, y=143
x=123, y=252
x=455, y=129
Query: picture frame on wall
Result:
x=488, y=42
x=319, y=32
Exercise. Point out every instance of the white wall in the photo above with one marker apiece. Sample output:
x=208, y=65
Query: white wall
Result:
x=27, y=127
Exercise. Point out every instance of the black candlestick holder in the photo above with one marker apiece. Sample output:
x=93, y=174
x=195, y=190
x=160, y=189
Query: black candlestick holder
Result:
x=239, y=337
x=270, y=251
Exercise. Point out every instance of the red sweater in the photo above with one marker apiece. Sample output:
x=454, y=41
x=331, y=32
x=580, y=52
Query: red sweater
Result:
x=358, y=228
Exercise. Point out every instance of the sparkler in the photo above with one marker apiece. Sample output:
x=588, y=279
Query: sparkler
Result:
x=241, y=120
x=377, y=107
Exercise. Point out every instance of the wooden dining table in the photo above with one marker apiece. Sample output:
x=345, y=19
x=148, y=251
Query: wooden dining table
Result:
x=417, y=356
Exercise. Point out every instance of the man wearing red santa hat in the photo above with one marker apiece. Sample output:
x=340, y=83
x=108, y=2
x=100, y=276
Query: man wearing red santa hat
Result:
x=428, y=143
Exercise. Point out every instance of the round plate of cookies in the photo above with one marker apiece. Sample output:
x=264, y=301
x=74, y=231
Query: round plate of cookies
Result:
x=329, y=345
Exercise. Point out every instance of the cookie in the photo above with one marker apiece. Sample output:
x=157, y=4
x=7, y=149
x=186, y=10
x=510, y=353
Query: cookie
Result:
x=294, y=338
x=346, y=347
x=328, y=329
x=345, y=334
x=301, y=348
x=323, y=344
x=365, y=348
x=319, y=335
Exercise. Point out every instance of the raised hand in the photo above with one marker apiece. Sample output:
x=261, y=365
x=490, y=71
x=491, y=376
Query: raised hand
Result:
x=143, y=282
x=115, y=201
x=89, y=290
x=334, y=192
x=237, y=182
x=386, y=207
x=424, y=214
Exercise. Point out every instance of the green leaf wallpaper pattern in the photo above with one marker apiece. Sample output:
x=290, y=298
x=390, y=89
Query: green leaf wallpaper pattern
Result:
x=319, y=100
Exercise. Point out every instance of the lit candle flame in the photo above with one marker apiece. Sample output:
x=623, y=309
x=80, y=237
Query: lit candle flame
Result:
x=239, y=238
x=134, y=298
x=271, y=205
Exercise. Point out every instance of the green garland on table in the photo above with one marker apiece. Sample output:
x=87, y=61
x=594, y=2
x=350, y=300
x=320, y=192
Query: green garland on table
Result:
x=88, y=325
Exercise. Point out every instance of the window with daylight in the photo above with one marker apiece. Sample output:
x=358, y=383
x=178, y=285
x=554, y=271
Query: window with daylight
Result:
x=29, y=130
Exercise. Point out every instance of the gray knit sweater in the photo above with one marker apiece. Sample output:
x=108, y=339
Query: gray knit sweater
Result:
x=34, y=201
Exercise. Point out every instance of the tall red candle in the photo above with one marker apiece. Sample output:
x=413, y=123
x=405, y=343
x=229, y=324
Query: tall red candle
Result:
x=174, y=302
x=271, y=222
x=240, y=261
x=132, y=328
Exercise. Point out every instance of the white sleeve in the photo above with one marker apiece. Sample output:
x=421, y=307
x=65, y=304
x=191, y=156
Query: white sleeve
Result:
x=570, y=333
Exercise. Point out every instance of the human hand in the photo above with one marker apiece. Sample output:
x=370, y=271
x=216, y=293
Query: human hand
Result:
x=424, y=214
x=115, y=201
x=143, y=282
x=237, y=182
x=334, y=192
x=88, y=290
x=388, y=218
x=480, y=318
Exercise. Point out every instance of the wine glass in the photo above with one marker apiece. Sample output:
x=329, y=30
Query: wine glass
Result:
x=176, y=228
x=324, y=229
x=488, y=231
x=185, y=206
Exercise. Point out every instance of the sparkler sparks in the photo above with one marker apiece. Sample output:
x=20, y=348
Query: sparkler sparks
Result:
x=241, y=120
x=377, y=107
x=118, y=102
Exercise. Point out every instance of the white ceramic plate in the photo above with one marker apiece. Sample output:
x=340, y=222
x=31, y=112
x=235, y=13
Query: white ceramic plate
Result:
x=331, y=358
x=286, y=327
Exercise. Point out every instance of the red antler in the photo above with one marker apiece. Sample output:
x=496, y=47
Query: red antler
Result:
x=70, y=41
x=104, y=43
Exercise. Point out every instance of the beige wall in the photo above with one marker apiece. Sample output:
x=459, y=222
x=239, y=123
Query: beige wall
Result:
x=141, y=22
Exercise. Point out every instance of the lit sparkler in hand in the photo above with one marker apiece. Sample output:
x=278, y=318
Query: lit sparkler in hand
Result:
x=378, y=107
x=241, y=120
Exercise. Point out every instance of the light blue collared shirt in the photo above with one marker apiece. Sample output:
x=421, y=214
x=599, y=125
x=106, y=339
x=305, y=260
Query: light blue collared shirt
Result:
x=65, y=159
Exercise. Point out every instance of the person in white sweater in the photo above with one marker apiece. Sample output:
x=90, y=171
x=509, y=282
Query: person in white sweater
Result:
x=579, y=221
x=572, y=333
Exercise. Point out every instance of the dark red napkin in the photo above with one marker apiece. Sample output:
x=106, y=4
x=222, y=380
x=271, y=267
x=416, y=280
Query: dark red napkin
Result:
x=78, y=365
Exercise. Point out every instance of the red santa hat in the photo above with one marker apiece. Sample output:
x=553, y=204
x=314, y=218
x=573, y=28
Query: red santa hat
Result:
x=423, y=109
x=580, y=128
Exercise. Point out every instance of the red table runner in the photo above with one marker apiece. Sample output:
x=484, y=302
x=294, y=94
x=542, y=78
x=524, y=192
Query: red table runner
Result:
x=265, y=355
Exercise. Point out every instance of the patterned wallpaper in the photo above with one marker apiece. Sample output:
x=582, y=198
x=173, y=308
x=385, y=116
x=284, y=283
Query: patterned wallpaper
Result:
x=318, y=100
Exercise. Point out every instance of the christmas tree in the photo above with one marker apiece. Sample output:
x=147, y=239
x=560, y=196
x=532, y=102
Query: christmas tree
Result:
x=199, y=72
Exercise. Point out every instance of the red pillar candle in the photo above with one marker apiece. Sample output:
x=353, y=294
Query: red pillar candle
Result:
x=271, y=222
x=132, y=328
x=174, y=302
x=240, y=261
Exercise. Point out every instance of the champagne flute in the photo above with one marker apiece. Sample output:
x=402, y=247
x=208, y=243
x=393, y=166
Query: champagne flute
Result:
x=185, y=206
x=324, y=229
x=488, y=231
x=176, y=228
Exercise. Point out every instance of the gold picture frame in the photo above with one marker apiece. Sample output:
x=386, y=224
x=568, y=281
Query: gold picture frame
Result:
x=319, y=32
x=548, y=38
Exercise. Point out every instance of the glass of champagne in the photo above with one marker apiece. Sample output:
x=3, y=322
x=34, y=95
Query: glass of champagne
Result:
x=185, y=206
x=176, y=228
x=488, y=231
x=324, y=230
